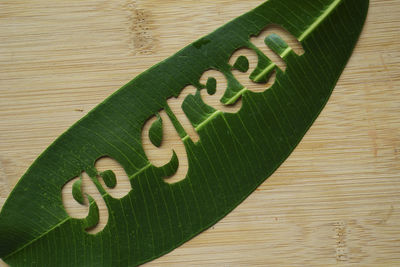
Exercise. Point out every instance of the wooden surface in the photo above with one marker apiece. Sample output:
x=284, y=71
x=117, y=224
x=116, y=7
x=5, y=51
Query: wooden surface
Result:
x=335, y=201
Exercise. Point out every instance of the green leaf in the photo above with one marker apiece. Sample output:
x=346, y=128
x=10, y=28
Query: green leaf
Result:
x=77, y=191
x=156, y=132
x=242, y=64
x=211, y=86
x=93, y=217
x=235, y=154
x=109, y=178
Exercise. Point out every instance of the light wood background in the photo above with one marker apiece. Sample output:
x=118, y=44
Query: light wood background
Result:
x=335, y=201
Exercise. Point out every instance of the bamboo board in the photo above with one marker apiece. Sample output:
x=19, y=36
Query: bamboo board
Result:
x=335, y=201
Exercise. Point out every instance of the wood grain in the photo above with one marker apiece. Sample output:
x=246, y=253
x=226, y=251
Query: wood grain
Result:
x=335, y=201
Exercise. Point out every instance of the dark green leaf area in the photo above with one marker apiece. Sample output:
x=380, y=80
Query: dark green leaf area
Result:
x=93, y=217
x=211, y=86
x=77, y=191
x=241, y=64
x=196, y=110
x=156, y=132
x=171, y=167
x=201, y=42
x=109, y=178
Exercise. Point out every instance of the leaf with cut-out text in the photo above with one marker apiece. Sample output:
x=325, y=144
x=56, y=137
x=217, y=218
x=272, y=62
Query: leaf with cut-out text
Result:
x=246, y=129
